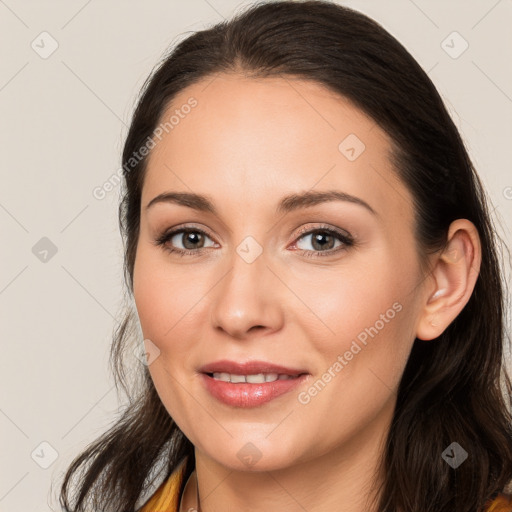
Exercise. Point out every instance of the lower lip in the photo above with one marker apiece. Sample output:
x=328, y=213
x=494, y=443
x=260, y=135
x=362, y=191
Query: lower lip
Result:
x=249, y=395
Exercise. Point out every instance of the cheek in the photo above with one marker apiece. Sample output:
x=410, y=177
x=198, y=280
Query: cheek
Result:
x=165, y=296
x=366, y=316
x=348, y=299
x=363, y=358
x=165, y=299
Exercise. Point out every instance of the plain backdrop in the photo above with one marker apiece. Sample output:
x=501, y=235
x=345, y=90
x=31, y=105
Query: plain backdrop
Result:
x=70, y=72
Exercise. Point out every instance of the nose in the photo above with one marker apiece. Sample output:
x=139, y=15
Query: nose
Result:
x=247, y=300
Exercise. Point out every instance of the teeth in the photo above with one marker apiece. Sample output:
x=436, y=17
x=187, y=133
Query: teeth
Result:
x=258, y=378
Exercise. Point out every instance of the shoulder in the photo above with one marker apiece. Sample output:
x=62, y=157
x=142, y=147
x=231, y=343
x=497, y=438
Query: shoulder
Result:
x=501, y=503
x=167, y=497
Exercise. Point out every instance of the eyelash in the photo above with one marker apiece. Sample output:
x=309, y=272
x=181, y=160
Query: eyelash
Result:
x=346, y=240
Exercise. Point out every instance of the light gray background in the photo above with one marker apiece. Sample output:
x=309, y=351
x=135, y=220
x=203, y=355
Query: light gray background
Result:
x=63, y=120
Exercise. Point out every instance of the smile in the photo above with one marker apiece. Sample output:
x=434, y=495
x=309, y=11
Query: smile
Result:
x=251, y=390
x=258, y=378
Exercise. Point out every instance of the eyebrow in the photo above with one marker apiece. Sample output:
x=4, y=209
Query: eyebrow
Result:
x=287, y=204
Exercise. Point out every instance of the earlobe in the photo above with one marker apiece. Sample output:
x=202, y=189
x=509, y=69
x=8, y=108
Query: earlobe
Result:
x=453, y=276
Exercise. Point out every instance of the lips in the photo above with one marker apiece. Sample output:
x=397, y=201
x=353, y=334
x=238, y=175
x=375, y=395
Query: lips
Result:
x=249, y=384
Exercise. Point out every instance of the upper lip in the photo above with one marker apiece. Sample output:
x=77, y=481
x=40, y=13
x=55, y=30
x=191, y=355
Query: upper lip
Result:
x=249, y=368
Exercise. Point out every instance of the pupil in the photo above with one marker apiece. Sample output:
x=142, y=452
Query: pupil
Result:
x=191, y=235
x=317, y=240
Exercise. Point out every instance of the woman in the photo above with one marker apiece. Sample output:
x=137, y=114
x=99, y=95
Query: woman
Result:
x=315, y=273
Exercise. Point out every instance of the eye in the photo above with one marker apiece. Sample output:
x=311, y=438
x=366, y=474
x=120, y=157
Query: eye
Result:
x=191, y=239
x=323, y=241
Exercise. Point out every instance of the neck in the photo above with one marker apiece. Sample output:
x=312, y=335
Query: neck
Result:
x=345, y=479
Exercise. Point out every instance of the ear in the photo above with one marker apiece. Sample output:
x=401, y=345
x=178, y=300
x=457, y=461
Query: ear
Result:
x=452, y=280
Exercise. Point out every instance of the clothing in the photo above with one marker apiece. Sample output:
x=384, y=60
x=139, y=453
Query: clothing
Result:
x=167, y=497
x=503, y=503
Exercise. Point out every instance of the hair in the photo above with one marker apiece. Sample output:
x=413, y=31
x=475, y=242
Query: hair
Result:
x=454, y=388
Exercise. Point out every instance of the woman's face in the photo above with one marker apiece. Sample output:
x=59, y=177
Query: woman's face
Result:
x=328, y=287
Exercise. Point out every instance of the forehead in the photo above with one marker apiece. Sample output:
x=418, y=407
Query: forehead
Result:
x=253, y=140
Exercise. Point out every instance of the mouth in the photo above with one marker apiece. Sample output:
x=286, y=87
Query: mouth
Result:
x=249, y=384
x=257, y=378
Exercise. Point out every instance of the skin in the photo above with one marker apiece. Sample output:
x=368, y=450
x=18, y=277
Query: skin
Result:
x=248, y=143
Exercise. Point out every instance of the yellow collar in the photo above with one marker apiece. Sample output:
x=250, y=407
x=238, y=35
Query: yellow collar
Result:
x=167, y=496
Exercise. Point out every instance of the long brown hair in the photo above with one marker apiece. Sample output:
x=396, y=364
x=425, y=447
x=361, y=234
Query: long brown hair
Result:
x=454, y=388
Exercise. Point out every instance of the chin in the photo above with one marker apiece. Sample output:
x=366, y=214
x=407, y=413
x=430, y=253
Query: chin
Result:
x=254, y=454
